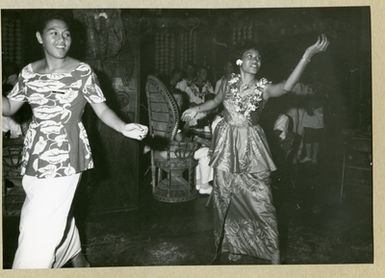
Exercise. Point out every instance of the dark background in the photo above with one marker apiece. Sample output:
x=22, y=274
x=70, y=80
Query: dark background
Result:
x=136, y=42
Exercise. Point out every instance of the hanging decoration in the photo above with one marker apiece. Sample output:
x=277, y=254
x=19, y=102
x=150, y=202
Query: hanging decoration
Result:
x=242, y=31
x=164, y=51
x=175, y=47
x=12, y=50
x=105, y=32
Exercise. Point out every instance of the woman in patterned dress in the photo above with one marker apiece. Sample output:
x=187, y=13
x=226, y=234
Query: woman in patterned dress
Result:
x=56, y=147
x=245, y=218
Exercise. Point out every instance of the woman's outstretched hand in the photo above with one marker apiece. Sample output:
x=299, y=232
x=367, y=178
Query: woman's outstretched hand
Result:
x=320, y=46
x=135, y=131
x=189, y=114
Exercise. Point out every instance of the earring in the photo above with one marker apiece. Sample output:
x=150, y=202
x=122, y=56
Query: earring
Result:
x=239, y=62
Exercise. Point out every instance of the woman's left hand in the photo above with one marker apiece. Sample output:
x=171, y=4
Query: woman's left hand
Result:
x=135, y=131
x=320, y=46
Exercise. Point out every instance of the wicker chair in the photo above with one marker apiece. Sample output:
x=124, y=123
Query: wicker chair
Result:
x=172, y=165
x=13, y=197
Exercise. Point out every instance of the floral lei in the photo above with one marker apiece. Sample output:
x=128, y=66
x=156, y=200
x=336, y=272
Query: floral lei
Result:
x=246, y=104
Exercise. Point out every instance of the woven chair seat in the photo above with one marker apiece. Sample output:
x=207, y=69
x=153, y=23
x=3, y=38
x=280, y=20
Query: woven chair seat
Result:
x=12, y=157
x=178, y=149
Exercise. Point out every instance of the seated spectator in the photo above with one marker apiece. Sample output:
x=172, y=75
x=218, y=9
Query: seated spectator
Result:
x=228, y=70
x=180, y=97
x=203, y=83
x=203, y=172
x=196, y=89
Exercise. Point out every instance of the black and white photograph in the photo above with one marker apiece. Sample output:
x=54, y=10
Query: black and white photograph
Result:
x=142, y=137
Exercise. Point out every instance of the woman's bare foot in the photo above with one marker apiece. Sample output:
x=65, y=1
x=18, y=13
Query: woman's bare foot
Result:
x=276, y=259
x=234, y=257
x=80, y=261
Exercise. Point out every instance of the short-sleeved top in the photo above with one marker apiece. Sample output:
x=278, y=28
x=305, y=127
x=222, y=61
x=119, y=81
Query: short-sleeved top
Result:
x=196, y=95
x=316, y=120
x=56, y=142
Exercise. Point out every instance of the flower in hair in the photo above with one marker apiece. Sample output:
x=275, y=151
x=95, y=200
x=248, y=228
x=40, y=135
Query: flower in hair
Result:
x=239, y=62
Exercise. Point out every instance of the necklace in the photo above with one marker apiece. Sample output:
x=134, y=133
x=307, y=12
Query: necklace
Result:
x=250, y=102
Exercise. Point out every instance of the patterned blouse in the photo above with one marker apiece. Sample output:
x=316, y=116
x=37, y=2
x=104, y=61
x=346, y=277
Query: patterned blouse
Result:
x=56, y=142
x=196, y=95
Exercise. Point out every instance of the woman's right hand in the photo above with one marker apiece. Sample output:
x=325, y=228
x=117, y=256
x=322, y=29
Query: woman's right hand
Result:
x=135, y=131
x=189, y=114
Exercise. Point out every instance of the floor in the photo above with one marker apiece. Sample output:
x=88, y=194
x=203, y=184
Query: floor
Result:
x=315, y=227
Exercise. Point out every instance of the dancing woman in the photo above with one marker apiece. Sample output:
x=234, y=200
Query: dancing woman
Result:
x=245, y=218
x=56, y=149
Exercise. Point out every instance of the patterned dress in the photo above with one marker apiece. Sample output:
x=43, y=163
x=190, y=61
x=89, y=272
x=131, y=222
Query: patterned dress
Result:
x=56, y=143
x=245, y=218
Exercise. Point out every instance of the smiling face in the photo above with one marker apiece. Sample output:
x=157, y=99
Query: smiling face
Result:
x=55, y=39
x=251, y=61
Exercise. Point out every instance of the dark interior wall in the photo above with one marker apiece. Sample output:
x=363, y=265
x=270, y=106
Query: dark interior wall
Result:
x=282, y=35
x=207, y=37
x=109, y=43
x=112, y=49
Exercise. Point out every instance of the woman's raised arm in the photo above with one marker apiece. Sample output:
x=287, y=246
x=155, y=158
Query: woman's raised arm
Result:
x=276, y=90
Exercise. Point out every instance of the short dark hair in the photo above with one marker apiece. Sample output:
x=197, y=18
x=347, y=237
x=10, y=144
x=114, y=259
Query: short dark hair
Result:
x=244, y=46
x=192, y=64
x=44, y=17
x=176, y=70
x=203, y=68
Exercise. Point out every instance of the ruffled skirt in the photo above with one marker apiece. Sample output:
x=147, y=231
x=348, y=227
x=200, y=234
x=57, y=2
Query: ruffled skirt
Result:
x=245, y=219
x=244, y=215
x=240, y=149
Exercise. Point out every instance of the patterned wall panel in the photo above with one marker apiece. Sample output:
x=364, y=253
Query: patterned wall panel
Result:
x=11, y=39
x=174, y=49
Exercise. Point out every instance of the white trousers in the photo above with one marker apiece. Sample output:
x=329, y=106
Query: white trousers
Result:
x=203, y=172
x=48, y=234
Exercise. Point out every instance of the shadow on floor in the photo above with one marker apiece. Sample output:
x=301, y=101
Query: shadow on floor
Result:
x=315, y=228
